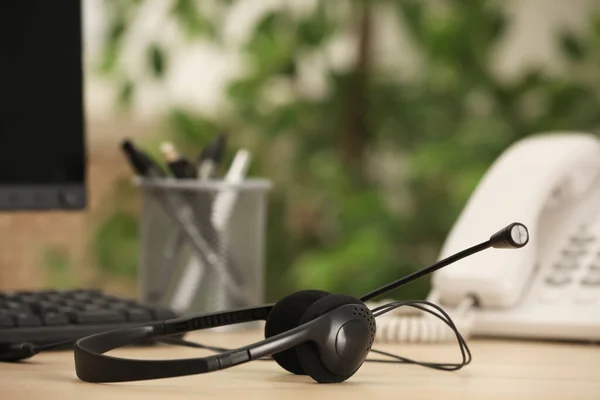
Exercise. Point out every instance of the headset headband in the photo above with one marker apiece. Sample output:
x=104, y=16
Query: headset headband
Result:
x=93, y=366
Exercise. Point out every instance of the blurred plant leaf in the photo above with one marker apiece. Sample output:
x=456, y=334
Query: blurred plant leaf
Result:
x=312, y=31
x=412, y=13
x=338, y=269
x=157, y=60
x=194, y=23
x=271, y=48
x=113, y=42
x=572, y=46
x=595, y=25
x=244, y=90
x=126, y=93
x=191, y=129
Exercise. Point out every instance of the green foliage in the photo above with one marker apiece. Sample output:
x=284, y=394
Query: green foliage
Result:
x=191, y=130
x=369, y=176
x=58, y=268
x=192, y=21
x=116, y=245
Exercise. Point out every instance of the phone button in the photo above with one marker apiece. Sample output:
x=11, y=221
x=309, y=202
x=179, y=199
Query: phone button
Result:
x=582, y=239
x=574, y=253
x=593, y=280
x=566, y=265
x=595, y=267
x=558, y=280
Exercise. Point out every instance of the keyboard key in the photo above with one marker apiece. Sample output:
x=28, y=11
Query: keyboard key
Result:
x=117, y=306
x=138, y=315
x=73, y=303
x=43, y=307
x=27, y=320
x=92, y=307
x=81, y=296
x=16, y=307
x=6, y=321
x=29, y=298
x=99, y=317
x=55, y=319
x=161, y=313
x=89, y=292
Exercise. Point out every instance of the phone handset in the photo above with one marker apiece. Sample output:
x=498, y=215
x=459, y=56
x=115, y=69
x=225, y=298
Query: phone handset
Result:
x=529, y=178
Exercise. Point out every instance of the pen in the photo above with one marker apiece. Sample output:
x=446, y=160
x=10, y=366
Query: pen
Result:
x=179, y=166
x=141, y=163
x=211, y=156
x=226, y=199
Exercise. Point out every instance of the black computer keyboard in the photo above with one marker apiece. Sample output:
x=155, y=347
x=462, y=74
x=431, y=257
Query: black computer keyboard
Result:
x=46, y=317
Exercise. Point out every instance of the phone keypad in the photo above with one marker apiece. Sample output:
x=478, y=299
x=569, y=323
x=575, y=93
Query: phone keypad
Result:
x=562, y=271
x=573, y=277
x=566, y=272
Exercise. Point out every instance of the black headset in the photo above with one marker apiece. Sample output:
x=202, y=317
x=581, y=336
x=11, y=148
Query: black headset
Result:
x=311, y=332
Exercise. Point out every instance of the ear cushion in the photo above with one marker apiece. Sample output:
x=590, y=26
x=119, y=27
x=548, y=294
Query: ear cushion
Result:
x=285, y=315
x=308, y=353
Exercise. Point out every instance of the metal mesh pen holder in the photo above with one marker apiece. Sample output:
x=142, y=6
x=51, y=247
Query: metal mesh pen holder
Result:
x=202, y=244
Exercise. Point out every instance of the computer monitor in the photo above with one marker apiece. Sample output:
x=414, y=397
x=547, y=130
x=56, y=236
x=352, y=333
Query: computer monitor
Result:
x=42, y=138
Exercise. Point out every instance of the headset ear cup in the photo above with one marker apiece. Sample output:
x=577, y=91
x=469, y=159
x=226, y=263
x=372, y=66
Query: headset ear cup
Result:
x=308, y=353
x=285, y=315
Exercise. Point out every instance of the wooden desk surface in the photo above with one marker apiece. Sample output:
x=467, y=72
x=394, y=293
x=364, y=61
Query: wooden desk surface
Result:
x=500, y=370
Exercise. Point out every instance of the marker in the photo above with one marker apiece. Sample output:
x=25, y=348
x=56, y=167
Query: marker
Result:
x=179, y=166
x=211, y=157
x=226, y=199
x=141, y=162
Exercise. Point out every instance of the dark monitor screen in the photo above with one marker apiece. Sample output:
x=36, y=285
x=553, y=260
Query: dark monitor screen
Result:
x=42, y=144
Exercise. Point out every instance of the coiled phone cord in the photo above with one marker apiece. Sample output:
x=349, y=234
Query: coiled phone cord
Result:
x=399, y=327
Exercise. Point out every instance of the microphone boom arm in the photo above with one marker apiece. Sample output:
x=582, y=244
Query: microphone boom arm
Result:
x=426, y=271
x=513, y=236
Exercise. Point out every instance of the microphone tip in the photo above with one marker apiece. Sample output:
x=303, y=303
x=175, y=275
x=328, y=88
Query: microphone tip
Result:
x=513, y=236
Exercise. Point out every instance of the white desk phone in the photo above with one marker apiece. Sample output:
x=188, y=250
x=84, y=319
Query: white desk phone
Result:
x=549, y=289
